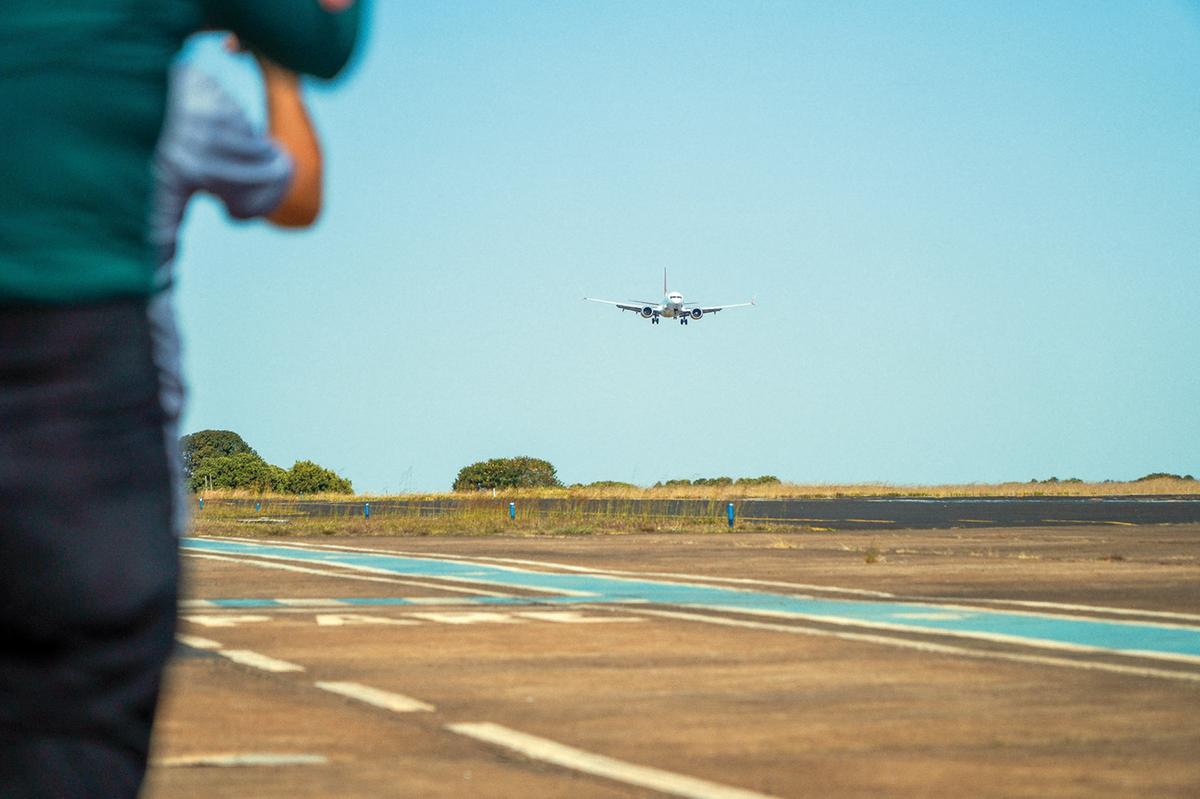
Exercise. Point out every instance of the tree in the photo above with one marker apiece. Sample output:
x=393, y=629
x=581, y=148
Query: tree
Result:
x=222, y=459
x=241, y=470
x=519, y=472
x=199, y=447
x=306, y=477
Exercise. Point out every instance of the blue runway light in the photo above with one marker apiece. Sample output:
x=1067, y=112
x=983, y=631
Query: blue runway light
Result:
x=201, y=503
x=729, y=511
x=512, y=510
x=366, y=510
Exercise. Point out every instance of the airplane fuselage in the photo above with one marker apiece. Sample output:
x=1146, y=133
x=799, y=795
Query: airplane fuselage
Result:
x=672, y=305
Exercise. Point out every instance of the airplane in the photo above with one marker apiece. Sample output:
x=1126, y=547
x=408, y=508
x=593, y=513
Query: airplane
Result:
x=671, y=307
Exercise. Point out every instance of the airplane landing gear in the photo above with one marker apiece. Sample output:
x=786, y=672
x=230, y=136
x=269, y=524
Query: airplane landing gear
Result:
x=654, y=321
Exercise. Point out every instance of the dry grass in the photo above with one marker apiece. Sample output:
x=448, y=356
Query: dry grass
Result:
x=620, y=511
x=467, y=518
x=1157, y=487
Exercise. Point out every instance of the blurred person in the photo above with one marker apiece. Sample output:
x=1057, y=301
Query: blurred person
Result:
x=208, y=145
x=88, y=559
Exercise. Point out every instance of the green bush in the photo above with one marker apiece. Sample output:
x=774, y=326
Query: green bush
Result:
x=766, y=479
x=713, y=481
x=519, y=472
x=222, y=459
x=307, y=477
x=242, y=470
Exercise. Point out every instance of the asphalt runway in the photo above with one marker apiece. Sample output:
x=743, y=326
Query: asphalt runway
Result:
x=1032, y=661
x=842, y=513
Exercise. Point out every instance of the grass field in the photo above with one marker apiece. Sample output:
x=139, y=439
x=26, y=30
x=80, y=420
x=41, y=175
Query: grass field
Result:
x=1044, y=488
x=589, y=511
x=480, y=518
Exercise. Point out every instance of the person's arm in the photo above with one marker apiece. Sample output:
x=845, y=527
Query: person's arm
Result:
x=289, y=125
x=314, y=37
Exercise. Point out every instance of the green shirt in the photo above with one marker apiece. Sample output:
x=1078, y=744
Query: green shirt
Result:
x=82, y=95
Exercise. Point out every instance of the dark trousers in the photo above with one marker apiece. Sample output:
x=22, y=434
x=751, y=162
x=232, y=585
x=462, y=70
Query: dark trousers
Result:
x=88, y=562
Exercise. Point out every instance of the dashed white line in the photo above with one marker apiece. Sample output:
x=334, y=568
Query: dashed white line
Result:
x=548, y=751
x=573, y=617
x=258, y=661
x=397, y=703
x=468, y=617
x=229, y=620
x=196, y=642
x=241, y=759
x=343, y=619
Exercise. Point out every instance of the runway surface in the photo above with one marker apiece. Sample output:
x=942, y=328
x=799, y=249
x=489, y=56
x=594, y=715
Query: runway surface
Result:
x=1029, y=662
x=1147, y=640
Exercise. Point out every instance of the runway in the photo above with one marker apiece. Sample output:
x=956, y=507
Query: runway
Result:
x=1157, y=641
x=1028, y=662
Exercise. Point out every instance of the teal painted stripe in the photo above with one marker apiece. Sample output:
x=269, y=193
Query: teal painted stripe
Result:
x=1116, y=636
x=246, y=603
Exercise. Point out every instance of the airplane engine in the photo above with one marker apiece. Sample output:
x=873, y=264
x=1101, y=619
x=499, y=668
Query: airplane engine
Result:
x=697, y=313
x=647, y=312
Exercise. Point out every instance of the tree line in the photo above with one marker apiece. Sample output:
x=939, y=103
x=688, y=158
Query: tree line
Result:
x=222, y=459
x=526, y=472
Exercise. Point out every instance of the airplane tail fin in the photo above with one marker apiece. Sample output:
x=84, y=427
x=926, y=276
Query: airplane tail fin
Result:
x=664, y=281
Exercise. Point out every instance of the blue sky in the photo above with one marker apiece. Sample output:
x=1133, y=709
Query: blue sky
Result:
x=973, y=230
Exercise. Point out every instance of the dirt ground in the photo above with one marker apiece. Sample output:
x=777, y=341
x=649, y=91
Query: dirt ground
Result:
x=738, y=705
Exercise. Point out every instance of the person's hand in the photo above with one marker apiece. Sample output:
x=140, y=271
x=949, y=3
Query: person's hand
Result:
x=270, y=70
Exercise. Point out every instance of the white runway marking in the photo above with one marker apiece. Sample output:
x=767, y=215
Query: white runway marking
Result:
x=225, y=621
x=479, y=617
x=258, y=661
x=397, y=703
x=196, y=642
x=1154, y=614
x=1002, y=638
x=832, y=589
x=880, y=624
x=342, y=619
x=355, y=567
x=286, y=606
x=548, y=751
x=572, y=617
x=265, y=564
x=246, y=759
x=926, y=646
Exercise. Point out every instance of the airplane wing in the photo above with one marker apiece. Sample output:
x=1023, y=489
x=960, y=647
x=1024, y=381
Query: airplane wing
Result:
x=627, y=306
x=707, y=309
